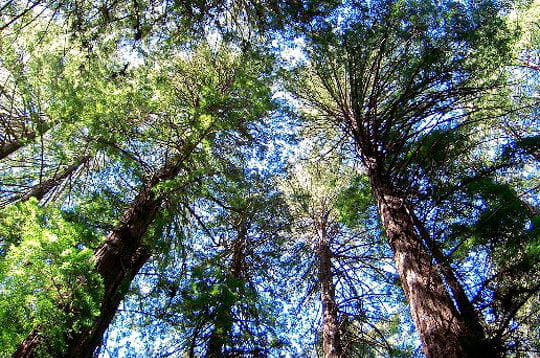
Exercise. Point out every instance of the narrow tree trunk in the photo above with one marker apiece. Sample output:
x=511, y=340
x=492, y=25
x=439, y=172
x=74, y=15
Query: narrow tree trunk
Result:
x=224, y=313
x=475, y=340
x=437, y=320
x=40, y=190
x=118, y=260
x=330, y=326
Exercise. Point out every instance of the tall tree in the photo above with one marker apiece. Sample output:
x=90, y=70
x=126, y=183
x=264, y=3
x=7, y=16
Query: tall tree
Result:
x=175, y=233
x=253, y=222
x=118, y=259
x=217, y=305
x=333, y=220
x=399, y=70
x=217, y=107
x=313, y=199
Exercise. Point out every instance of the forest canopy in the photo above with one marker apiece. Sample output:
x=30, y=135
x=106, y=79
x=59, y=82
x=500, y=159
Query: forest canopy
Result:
x=269, y=178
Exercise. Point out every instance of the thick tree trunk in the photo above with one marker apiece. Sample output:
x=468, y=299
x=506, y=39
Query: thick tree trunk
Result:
x=118, y=260
x=437, y=321
x=475, y=340
x=330, y=326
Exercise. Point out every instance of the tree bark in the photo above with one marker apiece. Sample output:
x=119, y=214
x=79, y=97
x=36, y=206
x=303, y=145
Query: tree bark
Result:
x=10, y=147
x=438, y=323
x=475, y=340
x=330, y=326
x=118, y=260
x=28, y=347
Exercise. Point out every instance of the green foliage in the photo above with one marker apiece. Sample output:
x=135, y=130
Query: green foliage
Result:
x=211, y=289
x=439, y=148
x=216, y=303
x=408, y=83
x=46, y=277
x=506, y=224
x=384, y=339
x=354, y=202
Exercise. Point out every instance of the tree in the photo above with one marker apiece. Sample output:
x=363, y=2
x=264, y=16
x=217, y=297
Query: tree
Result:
x=313, y=191
x=251, y=226
x=386, y=80
x=212, y=291
x=336, y=237
x=45, y=274
x=144, y=168
x=124, y=250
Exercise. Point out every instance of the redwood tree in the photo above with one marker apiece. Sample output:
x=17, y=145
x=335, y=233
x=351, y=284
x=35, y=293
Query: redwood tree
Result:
x=396, y=71
x=206, y=121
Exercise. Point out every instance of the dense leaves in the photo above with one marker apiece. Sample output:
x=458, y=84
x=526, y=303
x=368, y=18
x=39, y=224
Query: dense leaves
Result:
x=269, y=178
x=46, y=269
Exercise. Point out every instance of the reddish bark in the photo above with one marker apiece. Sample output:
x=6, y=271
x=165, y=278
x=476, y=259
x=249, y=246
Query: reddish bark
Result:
x=118, y=260
x=28, y=347
x=437, y=320
x=475, y=340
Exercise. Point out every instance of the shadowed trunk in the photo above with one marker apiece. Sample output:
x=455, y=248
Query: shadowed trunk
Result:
x=224, y=313
x=11, y=147
x=330, y=325
x=475, y=340
x=118, y=260
x=437, y=321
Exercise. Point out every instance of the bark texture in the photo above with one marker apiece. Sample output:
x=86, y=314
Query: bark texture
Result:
x=475, y=340
x=28, y=347
x=330, y=326
x=437, y=321
x=118, y=260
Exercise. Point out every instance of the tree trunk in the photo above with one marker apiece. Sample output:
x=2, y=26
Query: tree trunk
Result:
x=475, y=340
x=224, y=313
x=118, y=260
x=28, y=347
x=330, y=325
x=437, y=320
x=10, y=147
